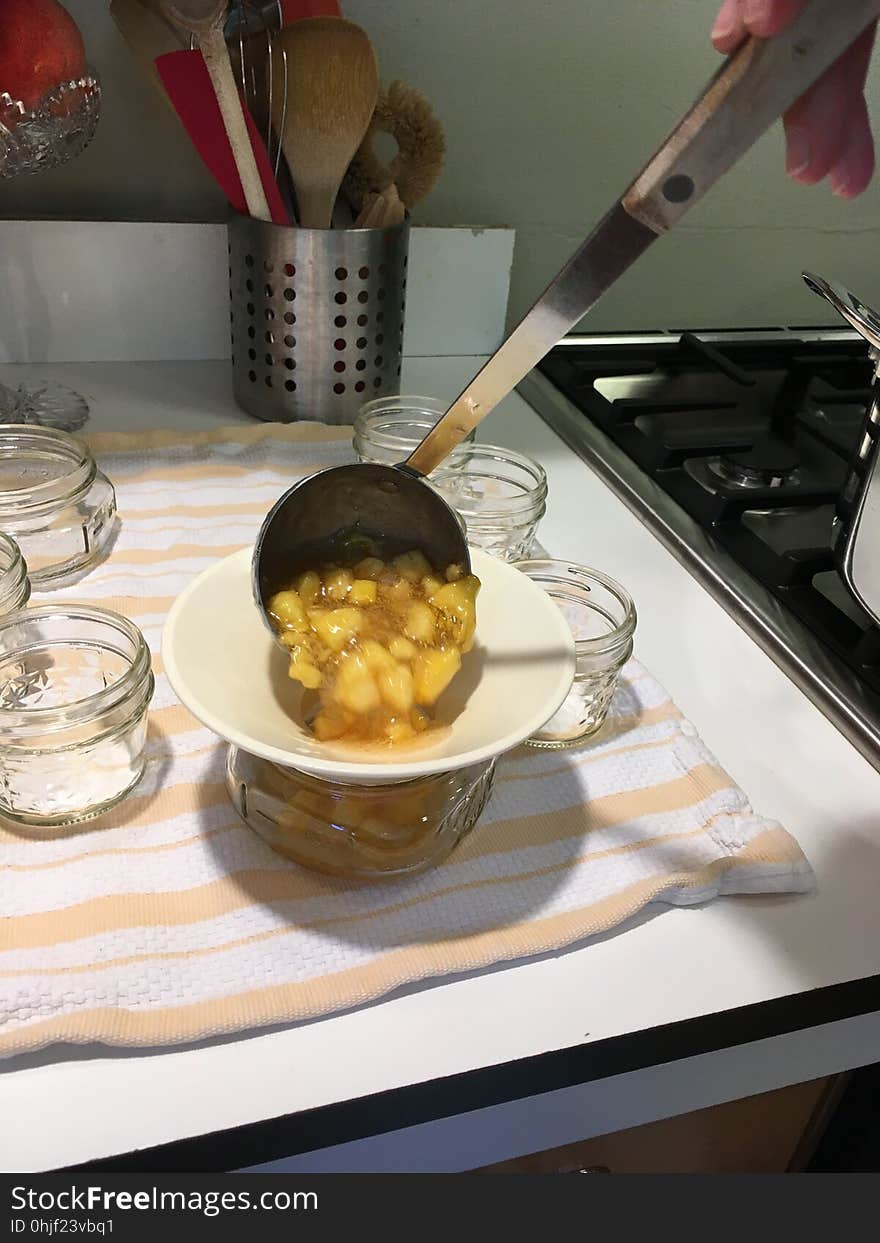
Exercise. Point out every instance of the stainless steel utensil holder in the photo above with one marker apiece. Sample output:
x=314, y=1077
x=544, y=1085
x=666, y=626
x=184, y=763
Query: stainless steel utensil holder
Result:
x=317, y=318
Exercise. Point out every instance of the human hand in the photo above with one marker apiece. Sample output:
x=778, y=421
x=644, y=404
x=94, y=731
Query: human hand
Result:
x=827, y=130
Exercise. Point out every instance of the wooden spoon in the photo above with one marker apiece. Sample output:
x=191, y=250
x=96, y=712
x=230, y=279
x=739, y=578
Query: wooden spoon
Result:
x=204, y=19
x=333, y=84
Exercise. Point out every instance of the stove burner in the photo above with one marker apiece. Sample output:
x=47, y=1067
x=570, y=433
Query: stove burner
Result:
x=741, y=480
x=769, y=463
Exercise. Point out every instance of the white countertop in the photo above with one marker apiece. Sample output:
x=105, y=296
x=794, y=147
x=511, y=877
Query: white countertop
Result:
x=68, y=1106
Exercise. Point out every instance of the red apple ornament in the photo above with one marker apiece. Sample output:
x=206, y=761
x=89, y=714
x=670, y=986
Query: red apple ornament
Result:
x=40, y=47
x=49, y=102
x=49, y=109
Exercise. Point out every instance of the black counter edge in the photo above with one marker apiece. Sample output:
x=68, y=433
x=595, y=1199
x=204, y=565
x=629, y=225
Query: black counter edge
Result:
x=345, y=1121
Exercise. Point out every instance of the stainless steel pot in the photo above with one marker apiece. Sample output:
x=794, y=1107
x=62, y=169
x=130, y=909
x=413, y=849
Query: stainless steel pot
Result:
x=856, y=527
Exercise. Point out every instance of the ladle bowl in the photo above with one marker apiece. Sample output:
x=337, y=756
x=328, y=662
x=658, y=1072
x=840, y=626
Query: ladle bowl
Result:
x=389, y=505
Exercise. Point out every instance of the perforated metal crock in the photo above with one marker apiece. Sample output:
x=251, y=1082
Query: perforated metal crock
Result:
x=317, y=318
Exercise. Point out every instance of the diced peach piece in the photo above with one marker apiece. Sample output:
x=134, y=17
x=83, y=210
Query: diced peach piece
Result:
x=305, y=672
x=355, y=687
x=413, y=566
x=395, y=685
x=336, y=627
x=399, y=731
x=458, y=603
x=331, y=722
x=419, y=622
x=363, y=591
x=402, y=649
x=375, y=655
x=337, y=585
x=287, y=608
x=308, y=587
x=398, y=591
x=370, y=567
x=453, y=597
x=433, y=671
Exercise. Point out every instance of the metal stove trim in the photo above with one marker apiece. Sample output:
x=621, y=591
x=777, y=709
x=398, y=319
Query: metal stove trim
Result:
x=715, y=336
x=836, y=692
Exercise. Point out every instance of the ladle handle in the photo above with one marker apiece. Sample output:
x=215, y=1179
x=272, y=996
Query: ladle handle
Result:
x=752, y=89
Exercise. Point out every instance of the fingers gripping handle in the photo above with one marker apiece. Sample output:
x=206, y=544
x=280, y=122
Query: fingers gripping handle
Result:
x=753, y=88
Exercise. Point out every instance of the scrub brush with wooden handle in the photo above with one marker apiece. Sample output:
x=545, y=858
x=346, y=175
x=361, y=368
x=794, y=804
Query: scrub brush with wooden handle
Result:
x=405, y=114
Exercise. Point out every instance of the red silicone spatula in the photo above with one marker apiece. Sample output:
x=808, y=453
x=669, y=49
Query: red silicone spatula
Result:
x=186, y=79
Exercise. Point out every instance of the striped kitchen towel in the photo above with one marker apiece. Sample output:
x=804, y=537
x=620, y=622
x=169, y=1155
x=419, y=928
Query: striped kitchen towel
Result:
x=168, y=920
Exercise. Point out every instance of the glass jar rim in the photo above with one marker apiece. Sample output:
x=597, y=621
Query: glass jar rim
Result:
x=374, y=418
x=398, y=402
x=481, y=453
x=137, y=676
x=550, y=572
x=15, y=586
x=10, y=554
x=19, y=438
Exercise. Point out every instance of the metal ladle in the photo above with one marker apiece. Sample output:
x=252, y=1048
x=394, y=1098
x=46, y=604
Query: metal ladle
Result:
x=392, y=503
x=387, y=504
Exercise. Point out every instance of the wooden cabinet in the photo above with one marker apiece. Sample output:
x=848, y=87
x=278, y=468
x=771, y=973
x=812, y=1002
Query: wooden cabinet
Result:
x=770, y=1133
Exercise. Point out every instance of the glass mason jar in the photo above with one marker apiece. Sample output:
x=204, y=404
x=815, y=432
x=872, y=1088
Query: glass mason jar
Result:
x=15, y=588
x=500, y=496
x=602, y=618
x=364, y=832
x=75, y=685
x=54, y=502
x=388, y=429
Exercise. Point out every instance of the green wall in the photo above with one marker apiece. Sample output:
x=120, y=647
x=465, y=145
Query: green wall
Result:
x=550, y=107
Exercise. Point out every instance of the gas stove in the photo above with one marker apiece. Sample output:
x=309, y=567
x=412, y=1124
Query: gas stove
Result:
x=735, y=448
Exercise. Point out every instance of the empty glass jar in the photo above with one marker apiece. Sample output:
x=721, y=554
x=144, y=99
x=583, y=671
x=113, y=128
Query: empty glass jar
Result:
x=75, y=685
x=500, y=495
x=54, y=502
x=364, y=832
x=388, y=429
x=602, y=618
x=15, y=588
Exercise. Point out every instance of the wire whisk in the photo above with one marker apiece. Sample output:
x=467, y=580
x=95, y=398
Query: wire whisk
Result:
x=261, y=66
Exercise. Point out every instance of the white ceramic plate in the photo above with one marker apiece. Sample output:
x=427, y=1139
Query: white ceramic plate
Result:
x=226, y=667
